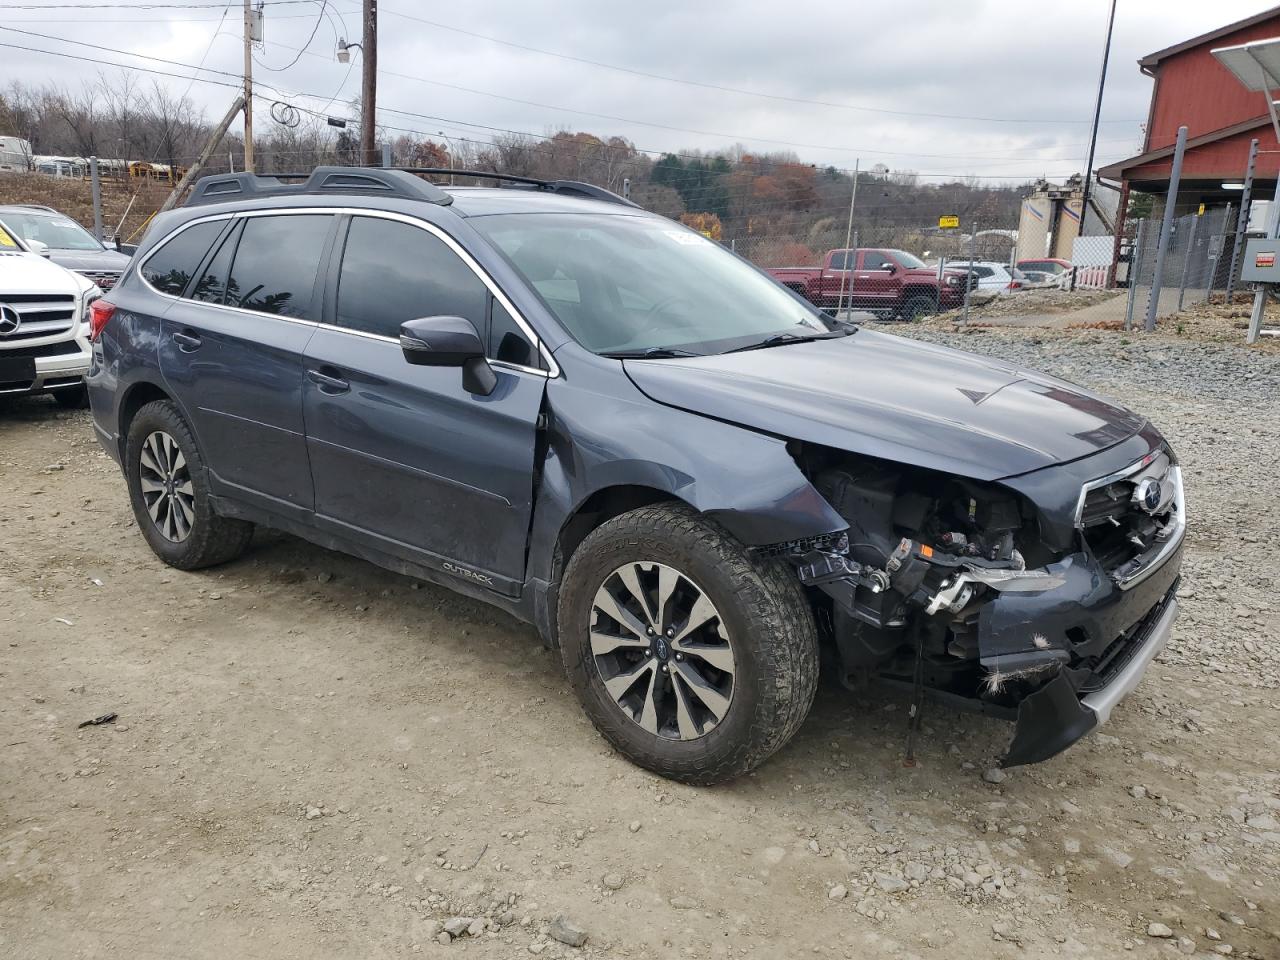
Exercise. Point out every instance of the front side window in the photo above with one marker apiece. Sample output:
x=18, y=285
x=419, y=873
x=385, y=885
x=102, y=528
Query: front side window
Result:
x=170, y=268
x=620, y=284
x=393, y=272
x=276, y=263
x=875, y=260
x=507, y=341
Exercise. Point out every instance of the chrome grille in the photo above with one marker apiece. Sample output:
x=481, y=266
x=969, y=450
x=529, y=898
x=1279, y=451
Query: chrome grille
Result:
x=105, y=279
x=1133, y=519
x=42, y=315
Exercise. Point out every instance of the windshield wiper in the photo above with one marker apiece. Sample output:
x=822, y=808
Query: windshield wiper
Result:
x=649, y=353
x=778, y=339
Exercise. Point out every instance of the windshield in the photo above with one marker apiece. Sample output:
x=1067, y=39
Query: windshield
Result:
x=908, y=260
x=630, y=284
x=54, y=230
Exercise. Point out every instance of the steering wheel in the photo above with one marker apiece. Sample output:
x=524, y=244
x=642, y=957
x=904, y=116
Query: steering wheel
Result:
x=651, y=315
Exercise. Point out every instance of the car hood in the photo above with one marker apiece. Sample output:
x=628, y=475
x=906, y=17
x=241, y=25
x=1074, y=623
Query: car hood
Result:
x=90, y=259
x=898, y=399
x=23, y=274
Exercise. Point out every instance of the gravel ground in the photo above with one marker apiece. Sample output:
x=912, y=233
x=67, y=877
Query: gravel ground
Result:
x=314, y=758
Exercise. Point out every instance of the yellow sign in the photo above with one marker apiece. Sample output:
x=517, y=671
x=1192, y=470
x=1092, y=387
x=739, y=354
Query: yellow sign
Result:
x=5, y=239
x=949, y=223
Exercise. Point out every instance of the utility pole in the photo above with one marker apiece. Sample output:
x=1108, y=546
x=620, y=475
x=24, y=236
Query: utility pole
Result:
x=369, y=88
x=850, y=257
x=248, y=86
x=1093, y=137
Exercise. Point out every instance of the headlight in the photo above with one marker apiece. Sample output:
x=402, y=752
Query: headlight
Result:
x=953, y=281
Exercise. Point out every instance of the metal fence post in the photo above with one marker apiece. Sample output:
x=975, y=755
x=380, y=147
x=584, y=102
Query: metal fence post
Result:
x=1135, y=268
x=1242, y=220
x=1212, y=267
x=968, y=277
x=386, y=154
x=1186, y=260
x=96, y=185
x=1166, y=228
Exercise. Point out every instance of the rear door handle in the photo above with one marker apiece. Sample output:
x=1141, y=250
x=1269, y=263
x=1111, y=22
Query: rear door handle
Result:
x=187, y=341
x=329, y=383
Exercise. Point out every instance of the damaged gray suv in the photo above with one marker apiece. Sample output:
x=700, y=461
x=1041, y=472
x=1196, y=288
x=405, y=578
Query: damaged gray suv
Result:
x=692, y=482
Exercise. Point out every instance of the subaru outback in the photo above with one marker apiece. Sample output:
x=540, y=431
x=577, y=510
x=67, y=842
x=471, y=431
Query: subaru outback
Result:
x=687, y=478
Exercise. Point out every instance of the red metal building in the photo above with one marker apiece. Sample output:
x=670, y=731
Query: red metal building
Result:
x=1194, y=89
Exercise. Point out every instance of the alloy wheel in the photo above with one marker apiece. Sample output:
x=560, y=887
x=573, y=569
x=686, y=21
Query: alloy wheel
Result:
x=662, y=650
x=166, y=486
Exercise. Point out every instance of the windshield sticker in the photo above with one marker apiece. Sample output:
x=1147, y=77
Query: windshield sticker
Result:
x=684, y=238
x=5, y=239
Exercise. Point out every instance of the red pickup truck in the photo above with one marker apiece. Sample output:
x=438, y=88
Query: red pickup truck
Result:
x=889, y=283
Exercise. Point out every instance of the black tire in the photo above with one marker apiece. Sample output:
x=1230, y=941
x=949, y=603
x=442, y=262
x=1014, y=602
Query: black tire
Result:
x=211, y=539
x=917, y=305
x=763, y=608
x=75, y=398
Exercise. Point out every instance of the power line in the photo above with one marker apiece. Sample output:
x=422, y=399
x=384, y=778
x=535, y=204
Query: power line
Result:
x=411, y=114
x=727, y=89
x=727, y=136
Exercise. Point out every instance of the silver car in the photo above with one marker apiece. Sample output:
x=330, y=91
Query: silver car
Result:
x=52, y=234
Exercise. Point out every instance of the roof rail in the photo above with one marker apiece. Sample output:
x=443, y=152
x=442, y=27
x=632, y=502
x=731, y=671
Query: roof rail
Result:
x=574, y=187
x=379, y=181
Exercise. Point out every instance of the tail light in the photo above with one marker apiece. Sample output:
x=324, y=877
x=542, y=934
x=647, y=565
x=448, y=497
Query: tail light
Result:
x=1015, y=284
x=100, y=311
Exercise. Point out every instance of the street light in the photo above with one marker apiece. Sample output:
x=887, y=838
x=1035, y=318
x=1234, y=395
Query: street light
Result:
x=441, y=133
x=344, y=50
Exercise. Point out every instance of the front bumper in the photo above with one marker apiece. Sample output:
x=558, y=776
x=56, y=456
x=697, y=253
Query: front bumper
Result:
x=62, y=371
x=1056, y=715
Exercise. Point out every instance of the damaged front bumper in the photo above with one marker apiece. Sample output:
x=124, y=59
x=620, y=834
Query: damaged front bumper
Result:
x=1057, y=715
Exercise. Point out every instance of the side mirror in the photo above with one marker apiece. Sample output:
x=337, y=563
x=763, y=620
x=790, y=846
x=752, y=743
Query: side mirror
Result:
x=38, y=246
x=890, y=268
x=116, y=239
x=449, y=342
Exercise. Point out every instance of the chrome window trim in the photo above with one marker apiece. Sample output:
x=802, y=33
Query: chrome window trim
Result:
x=553, y=368
x=503, y=364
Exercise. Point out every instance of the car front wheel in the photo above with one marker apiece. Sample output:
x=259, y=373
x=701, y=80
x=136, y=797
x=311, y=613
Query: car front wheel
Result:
x=695, y=659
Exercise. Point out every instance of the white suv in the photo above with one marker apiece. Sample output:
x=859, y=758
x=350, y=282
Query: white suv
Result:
x=44, y=325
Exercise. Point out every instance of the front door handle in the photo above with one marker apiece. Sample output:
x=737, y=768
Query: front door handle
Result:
x=329, y=383
x=187, y=341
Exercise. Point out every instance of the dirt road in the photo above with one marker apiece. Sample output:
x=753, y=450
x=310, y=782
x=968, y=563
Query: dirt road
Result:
x=316, y=759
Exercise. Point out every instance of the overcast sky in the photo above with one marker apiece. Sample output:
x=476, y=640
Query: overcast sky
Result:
x=1030, y=77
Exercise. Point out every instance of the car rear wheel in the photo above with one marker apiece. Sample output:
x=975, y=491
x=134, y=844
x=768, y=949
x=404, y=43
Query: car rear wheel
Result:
x=693, y=658
x=170, y=495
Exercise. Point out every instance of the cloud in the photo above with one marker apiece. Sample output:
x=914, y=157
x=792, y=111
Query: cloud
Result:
x=1007, y=60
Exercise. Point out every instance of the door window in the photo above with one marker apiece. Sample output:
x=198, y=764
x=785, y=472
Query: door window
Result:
x=875, y=260
x=170, y=268
x=276, y=263
x=212, y=285
x=507, y=342
x=393, y=272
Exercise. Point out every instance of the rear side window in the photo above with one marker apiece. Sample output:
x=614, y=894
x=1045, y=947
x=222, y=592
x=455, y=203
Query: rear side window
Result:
x=212, y=285
x=170, y=268
x=276, y=263
x=393, y=272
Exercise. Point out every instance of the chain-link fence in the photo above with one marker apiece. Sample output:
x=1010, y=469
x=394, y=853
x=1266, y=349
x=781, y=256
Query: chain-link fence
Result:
x=1197, y=261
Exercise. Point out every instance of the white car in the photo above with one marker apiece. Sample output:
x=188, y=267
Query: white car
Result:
x=44, y=325
x=994, y=277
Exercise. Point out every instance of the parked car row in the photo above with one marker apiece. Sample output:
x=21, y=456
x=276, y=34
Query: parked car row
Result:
x=51, y=271
x=692, y=481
